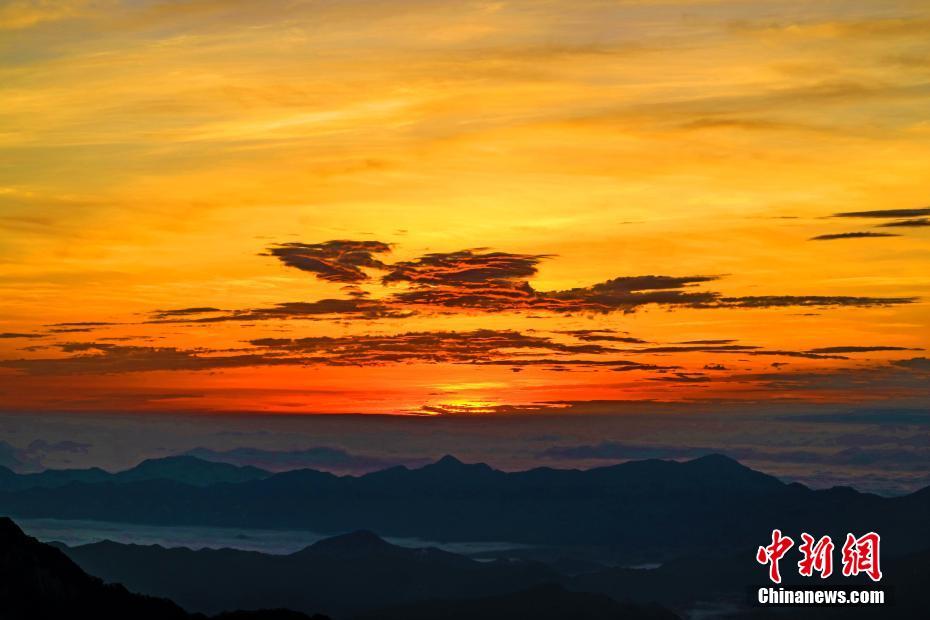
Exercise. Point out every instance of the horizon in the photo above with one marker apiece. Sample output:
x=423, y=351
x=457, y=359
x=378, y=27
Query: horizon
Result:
x=882, y=451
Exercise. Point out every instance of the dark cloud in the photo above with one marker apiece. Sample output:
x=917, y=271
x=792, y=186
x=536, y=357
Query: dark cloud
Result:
x=852, y=235
x=452, y=411
x=646, y=283
x=466, y=267
x=859, y=349
x=802, y=354
x=478, y=346
x=78, y=347
x=683, y=377
x=489, y=297
x=624, y=366
x=163, y=314
x=483, y=347
x=817, y=301
x=723, y=348
x=886, y=213
x=616, y=365
x=352, y=308
x=740, y=349
x=903, y=378
x=915, y=363
x=485, y=281
x=602, y=335
x=624, y=294
x=11, y=335
x=916, y=223
x=100, y=358
x=628, y=293
x=469, y=279
x=334, y=261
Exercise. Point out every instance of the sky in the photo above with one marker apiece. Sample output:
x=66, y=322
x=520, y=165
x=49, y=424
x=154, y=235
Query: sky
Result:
x=475, y=208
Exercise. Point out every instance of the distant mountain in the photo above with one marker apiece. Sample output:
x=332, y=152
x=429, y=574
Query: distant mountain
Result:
x=186, y=469
x=338, y=576
x=38, y=582
x=641, y=511
x=10, y=456
x=546, y=602
x=12, y=481
x=323, y=458
x=190, y=470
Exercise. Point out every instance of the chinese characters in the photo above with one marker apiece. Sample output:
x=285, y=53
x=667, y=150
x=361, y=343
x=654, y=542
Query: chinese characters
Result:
x=860, y=555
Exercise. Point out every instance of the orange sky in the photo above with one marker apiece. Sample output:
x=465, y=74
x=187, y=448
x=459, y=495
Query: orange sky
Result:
x=161, y=155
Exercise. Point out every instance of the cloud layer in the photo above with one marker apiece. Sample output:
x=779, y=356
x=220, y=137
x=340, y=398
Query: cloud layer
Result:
x=483, y=281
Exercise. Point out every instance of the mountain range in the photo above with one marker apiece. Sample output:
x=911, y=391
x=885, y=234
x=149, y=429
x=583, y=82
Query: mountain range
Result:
x=339, y=576
x=39, y=582
x=639, y=511
x=361, y=576
x=184, y=469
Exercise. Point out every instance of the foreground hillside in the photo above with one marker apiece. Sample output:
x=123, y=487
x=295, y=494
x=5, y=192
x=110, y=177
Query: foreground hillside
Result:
x=361, y=575
x=39, y=582
x=339, y=576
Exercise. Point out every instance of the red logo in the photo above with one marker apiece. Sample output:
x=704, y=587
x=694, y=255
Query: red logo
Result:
x=773, y=553
x=859, y=555
x=817, y=557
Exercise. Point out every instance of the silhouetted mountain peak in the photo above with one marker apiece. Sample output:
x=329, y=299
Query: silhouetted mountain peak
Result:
x=172, y=463
x=717, y=460
x=353, y=543
x=726, y=469
x=9, y=530
x=191, y=470
x=449, y=461
x=451, y=465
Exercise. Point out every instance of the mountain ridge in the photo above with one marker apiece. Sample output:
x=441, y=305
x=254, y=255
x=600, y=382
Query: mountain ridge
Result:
x=632, y=510
x=39, y=581
x=180, y=468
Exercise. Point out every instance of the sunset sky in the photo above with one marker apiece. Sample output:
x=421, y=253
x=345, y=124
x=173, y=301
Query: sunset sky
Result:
x=425, y=207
